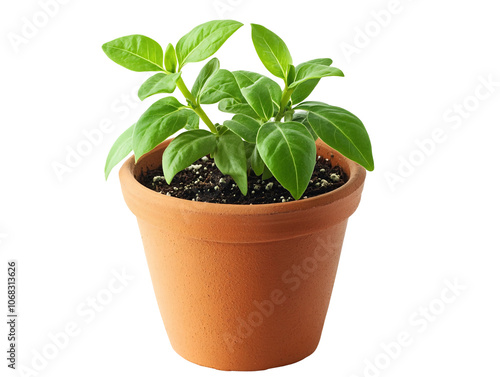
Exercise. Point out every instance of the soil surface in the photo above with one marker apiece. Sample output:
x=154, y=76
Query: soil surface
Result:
x=203, y=182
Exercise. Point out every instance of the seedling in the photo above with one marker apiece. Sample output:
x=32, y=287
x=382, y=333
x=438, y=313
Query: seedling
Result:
x=273, y=129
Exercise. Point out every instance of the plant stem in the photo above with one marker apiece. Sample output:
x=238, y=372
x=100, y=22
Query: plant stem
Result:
x=197, y=108
x=285, y=98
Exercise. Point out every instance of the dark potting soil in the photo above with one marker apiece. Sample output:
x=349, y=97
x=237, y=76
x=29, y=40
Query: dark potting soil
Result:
x=203, y=182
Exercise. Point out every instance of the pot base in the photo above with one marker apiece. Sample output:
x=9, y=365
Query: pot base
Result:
x=252, y=369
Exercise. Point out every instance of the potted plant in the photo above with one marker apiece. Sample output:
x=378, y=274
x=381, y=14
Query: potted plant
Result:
x=244, y=246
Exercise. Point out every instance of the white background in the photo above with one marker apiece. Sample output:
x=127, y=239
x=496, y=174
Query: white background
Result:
x=438, y=222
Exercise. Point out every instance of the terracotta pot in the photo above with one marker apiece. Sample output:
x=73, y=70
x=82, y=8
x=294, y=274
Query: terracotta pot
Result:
x=242, y=287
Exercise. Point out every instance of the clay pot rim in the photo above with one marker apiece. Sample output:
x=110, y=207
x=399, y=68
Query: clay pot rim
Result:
x=355, y=172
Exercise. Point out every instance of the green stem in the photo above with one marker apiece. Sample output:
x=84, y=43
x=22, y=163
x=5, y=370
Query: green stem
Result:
x=197, y=108
x=285, y=98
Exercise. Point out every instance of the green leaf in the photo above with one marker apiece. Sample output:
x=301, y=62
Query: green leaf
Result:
x=272, y=51
x=186, y=149
x=120, y=149
x=301, y=117
x=244, y=126
x=260, y=92
x=323, y=61
x=291, y=75
x=267, y=173
x=220, y=128
x=159, y=83
x=204, y=40
x=256, y=162
x=135, y=52
x=193, y=120
x=341, y=130
x=233, y=106
x=249, y=147
x=231, y=159
x=246, y=79
x=164, y=118
x=289, y=152
x=259, y=98
x=220, y=86
x=311, y=71
x=302, y=91
x=206, y=72
x=170, y=59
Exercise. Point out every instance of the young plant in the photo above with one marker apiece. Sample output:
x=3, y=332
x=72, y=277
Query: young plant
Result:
x=272, y=131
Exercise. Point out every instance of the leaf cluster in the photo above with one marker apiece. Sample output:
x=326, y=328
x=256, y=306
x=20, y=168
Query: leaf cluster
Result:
x=273, y=128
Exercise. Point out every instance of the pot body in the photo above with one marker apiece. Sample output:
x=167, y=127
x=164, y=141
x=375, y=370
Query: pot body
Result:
x=242, y=287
